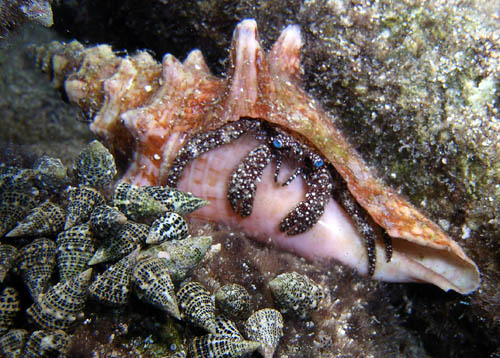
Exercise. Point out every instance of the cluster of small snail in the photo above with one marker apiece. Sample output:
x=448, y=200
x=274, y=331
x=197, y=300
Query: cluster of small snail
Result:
x=150, y=260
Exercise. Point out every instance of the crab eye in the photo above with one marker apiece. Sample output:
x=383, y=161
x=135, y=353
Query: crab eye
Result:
x=277, y=143
x=318, y=163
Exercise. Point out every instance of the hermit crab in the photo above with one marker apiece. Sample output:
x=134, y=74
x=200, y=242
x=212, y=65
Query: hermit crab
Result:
x=167, y=118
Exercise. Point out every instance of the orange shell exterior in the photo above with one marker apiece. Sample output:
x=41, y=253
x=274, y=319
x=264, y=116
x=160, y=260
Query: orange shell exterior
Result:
x=153, y=108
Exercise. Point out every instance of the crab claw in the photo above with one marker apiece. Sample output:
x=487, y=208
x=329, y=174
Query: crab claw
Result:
x=242, y=186
x=308, y=212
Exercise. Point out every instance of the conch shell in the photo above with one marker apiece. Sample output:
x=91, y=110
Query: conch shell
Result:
x=145, y=111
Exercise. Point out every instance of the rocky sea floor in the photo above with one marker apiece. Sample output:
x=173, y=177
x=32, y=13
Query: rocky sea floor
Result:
x=358, y=317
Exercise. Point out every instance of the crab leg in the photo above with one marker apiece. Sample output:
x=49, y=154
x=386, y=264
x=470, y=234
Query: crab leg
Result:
x=365, y=226
x=242, y=188
x=204, y=142
x=308, y=212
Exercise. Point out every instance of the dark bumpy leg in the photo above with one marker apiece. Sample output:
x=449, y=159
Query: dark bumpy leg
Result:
x=365, y=225
x=241, y=191
x=204, y=142
x=308, y=212
x=279, y=161
x=388, y=246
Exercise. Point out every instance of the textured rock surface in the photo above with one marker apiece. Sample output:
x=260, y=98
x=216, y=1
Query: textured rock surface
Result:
x=424, y=137
x=33, y=116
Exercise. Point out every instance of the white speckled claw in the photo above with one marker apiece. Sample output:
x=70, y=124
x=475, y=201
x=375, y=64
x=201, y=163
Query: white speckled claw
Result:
x=205, y=142
x=307, y=213
x=242, y=186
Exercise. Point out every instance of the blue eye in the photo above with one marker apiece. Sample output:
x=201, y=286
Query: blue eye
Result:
x=318, y=163
x=277, y=143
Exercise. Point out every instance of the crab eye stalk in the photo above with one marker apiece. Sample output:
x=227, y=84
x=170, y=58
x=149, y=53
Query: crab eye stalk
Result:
x=318, y=163
x=277, y=143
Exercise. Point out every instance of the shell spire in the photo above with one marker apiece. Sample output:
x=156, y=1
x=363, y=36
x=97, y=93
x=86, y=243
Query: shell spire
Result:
x=113, y=286
x=8, y=255
x=62, y=306
x=35, y=263
x=9, y=308
x=75, y=248
x=197, y=306
x=153, y=283
x=46, y=219
x=220, y=346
